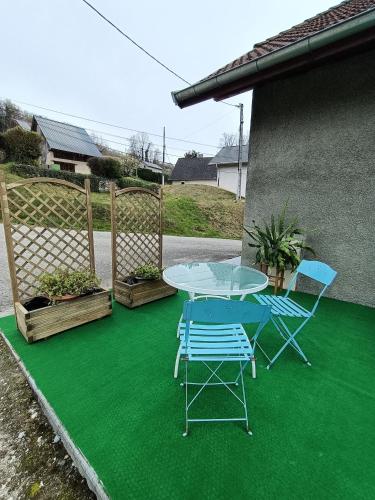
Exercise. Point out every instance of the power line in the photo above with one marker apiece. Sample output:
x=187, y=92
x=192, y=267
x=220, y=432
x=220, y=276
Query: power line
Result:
x=208, y=124
x=100, y=14
x=81, y=139
x=67, y=127
x=134, y=42
x=124, y=128
x=102, y=132
x=113, y=125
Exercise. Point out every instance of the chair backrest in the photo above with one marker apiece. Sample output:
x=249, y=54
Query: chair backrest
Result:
x=225, y=312
x=318, y=271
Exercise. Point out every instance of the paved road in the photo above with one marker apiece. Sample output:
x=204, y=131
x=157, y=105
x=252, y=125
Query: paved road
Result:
x=176, y=249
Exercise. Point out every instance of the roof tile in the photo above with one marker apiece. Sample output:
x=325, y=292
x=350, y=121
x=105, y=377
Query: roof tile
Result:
x=194, y=169
x=330, y=17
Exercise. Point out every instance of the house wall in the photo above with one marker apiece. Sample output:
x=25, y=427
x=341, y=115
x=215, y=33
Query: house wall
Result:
x=44, y=147
x=313, y=143
x=228, y=178
x=81, y=167
x=205, y=183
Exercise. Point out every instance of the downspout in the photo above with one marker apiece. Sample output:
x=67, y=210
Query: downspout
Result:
x=206, y=89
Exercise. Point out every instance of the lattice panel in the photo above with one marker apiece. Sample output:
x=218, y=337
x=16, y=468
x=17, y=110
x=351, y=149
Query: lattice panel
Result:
x=48, y=230
x=138, y=232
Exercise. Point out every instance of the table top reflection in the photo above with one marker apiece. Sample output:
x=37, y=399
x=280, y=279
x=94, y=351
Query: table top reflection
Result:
x=215, y=278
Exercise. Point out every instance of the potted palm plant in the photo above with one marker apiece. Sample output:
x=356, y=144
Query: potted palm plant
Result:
x=279, y=244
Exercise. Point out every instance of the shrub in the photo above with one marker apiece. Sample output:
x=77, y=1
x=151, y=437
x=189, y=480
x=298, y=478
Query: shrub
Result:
x=97, y=183
x=2, y=155
x=147, y=271
x=125, y=182
x=63, y=282
x=105, y=166
x=21, y=145
x=149, y=175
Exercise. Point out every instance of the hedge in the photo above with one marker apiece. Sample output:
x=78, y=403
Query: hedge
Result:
x=125, y=182
x=149, y=175
x=97, y=183
x=105, y=166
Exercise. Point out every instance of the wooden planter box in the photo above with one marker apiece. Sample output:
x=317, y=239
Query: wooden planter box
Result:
x=47, y=321
x=280, y=279
x=275, y=277
x=141, y=293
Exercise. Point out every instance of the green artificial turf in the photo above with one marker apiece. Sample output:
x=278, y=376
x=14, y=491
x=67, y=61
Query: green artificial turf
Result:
x=111, y=384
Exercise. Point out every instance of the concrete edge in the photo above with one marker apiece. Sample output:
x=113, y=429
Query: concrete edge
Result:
x=79, y=460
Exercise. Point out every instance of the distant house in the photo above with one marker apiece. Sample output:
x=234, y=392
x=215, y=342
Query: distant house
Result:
x=194, y=171
x=23, y=124
x=226, y=162
x=66, y=145
x=154, y=167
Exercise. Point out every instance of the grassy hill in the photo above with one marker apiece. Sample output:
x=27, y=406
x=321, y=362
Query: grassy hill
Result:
x=189, y=210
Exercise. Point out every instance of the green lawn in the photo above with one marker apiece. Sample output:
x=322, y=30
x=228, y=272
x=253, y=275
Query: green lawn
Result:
x=189, y=210
x=110, y=382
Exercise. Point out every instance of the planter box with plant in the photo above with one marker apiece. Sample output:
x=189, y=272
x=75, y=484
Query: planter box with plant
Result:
x=279, y=245
x=137, y=247
x=144, y=285
x=49, y=239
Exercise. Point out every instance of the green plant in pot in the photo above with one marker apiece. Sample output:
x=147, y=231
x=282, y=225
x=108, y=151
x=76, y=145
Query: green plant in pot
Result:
x=147, y=272
x=66, y=285
x=278, y=245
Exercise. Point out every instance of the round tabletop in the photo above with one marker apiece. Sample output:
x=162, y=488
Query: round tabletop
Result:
x=215, y=278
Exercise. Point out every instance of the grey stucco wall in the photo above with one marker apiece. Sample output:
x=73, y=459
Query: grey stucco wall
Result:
x=312, y=141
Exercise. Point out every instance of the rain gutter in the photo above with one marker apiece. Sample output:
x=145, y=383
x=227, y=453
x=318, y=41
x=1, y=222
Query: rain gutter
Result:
x=244, y=77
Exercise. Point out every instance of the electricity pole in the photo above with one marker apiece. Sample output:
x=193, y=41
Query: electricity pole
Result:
x=240, y=142
x=162, y=168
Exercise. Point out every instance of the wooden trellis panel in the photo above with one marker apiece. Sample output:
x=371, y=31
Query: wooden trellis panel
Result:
x=136, y=230
x=48, y=224
x=136, y=240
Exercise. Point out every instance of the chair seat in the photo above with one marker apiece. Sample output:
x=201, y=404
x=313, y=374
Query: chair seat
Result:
x=282, y=306
x=215, y=343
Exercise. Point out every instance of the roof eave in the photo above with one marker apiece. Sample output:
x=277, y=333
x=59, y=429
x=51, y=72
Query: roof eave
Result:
x=246, y=76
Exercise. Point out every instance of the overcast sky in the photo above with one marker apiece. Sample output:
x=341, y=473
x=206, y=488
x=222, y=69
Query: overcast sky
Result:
x=59, y=54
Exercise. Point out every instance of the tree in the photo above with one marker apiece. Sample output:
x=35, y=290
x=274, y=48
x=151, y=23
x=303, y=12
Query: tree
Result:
x=140, y=146
x=156, y=156
x=21, y=145
x=228, y=140
x=9, y=113
x=105, y=166
x=101, y=145
x=129, y=165
x=193, y=154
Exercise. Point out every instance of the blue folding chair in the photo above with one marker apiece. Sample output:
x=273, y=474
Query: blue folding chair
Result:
x=213, y=332
x=285, y=307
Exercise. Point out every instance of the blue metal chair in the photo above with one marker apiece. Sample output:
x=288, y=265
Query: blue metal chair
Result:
x=285, y=307
x=181, y=330
x=213, y=332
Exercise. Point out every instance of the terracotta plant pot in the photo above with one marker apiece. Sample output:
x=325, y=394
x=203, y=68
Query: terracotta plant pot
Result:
x=62, y=298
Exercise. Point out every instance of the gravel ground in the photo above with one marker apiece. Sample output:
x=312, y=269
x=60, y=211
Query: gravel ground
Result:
x=33, y=461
